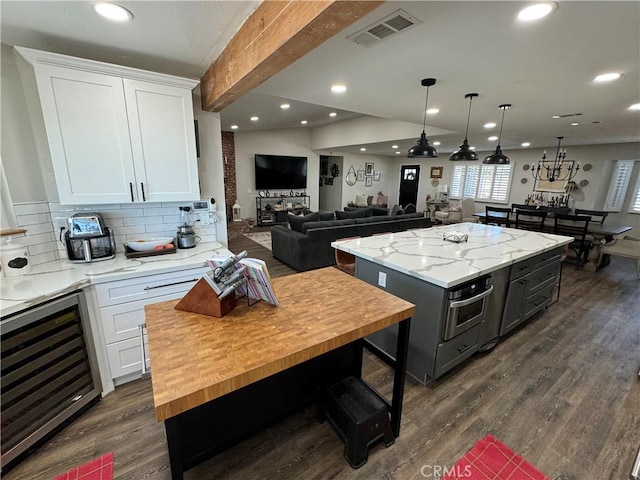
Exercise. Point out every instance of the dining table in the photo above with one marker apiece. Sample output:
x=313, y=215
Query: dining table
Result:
x=601, y=235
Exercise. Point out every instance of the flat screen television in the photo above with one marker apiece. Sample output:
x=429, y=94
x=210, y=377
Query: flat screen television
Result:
x=280, y=172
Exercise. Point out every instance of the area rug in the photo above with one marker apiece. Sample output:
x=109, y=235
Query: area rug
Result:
x=489, y=459
x=263, y=238
x=97, y=469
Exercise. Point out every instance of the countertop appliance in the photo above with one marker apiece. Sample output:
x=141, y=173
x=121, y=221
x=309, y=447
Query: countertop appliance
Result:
x=88, y=239
x=49, y=373
x=186, y=235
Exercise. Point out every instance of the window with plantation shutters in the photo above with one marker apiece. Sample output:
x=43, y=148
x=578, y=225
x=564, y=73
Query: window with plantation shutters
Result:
x=489, y=183
x=634, y=205
x=618, y=185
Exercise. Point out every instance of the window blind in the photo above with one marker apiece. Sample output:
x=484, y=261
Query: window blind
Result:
x=634, y=206
x=481, y=182
x=618, y=185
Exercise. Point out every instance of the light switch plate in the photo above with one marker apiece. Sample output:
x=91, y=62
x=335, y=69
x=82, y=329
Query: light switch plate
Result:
x=382, y=279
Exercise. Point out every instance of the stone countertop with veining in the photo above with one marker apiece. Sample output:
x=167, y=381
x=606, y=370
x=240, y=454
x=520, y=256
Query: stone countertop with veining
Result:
x=424, y=253
x=52, y=279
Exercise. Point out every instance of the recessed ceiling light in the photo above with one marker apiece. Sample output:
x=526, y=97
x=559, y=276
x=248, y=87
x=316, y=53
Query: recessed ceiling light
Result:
x=492, y=138
x=394, y=147
x=536, y=11
x=255, y=119
x=432, y=111
x=635, y=106
x=234, y=127
x=338, y=88
x=362, y=149
x=574, y=124
x=436, y=143
x=525, y=144
x=607, y=77
x=285, y=106
x=397, y=153
x=333, y=114
x=555, y=116
x=472, y=148
x=112, y=12
x=304, y=122
x=489, y=125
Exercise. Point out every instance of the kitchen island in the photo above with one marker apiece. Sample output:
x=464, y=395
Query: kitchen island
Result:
x=508, y=276
x=216, y=380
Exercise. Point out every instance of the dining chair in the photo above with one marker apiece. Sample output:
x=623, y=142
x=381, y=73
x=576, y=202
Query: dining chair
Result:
x=575, y=226
x=497, y=216
x=521, y=206
x=596, y=215
x=532, y=220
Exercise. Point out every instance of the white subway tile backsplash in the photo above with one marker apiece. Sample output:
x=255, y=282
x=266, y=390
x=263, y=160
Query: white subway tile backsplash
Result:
x=30, y=208
x=38, y=238
x=32, y=219
x=42, y=248
x=142, y=221
x=121, y=213
x=43, y=258
x=130, y=230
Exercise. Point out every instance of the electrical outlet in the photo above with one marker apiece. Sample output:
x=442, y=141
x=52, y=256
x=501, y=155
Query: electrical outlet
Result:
x=61, y=222
x=248, y=190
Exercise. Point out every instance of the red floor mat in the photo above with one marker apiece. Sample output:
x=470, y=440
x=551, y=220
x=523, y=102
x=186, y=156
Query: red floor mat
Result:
x=98, y=469
x=489, y=459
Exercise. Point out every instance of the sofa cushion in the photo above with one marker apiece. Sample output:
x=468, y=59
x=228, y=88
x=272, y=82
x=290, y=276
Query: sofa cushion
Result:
x=326, y=224
x=324, y=216
x=361, y=212
x=296, y=221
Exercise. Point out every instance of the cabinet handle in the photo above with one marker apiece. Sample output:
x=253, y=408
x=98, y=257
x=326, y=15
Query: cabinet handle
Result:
x=141, y=328
x=464, y=349
x=171, y=284
x=131, y=189
x=142, y=187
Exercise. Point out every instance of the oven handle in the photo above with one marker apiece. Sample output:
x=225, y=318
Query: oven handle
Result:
x=469, y=301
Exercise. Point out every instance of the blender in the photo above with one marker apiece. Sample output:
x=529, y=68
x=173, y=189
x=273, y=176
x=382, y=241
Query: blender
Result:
x=187, y=237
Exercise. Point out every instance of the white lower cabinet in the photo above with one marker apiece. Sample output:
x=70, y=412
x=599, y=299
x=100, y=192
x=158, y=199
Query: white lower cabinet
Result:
x=121, y=305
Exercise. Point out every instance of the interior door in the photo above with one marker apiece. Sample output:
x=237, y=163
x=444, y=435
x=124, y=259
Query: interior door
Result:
x=409, y=180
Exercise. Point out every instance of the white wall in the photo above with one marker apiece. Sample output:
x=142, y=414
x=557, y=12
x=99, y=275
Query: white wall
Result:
x=294, y=142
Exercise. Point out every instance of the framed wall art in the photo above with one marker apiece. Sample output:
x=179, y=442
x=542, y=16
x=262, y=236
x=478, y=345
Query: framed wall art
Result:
x=360, y=176
x=436, y=172
x=376, y=175
x=368, y=181
x=368, y=169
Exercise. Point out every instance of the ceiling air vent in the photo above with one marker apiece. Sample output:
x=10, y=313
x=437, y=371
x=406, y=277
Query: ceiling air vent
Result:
x=389, y=26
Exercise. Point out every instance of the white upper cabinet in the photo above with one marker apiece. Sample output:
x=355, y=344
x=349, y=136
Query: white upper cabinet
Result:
x=116, y=134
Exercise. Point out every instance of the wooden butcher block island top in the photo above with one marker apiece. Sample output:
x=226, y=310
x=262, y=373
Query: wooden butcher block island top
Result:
x=197, y=358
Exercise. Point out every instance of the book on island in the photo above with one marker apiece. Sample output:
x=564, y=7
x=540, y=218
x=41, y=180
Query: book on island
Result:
x=245, y=276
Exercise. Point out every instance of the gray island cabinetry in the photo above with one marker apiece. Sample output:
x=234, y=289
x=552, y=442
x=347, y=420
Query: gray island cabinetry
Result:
x=467, y=294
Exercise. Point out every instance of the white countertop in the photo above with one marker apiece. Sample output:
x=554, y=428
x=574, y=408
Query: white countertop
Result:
x=423, y=253
x=52, y=279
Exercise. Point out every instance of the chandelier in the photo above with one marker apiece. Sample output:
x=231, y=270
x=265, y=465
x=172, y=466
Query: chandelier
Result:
x=557, y=170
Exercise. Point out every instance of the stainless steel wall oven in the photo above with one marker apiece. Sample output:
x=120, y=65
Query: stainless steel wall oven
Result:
x=49, y=372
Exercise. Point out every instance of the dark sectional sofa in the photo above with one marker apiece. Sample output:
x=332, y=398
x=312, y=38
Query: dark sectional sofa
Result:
x=311, y=248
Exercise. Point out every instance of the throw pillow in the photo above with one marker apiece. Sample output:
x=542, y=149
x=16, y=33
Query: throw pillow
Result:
x=361, y=200
x=296, y=221
x=356, y=214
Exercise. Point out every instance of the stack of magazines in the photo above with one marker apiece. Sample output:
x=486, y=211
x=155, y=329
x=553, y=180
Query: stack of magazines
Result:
x=244, y=276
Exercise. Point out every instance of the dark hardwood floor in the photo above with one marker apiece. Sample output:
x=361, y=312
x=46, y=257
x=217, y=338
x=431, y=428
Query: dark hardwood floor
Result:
x=563, y=392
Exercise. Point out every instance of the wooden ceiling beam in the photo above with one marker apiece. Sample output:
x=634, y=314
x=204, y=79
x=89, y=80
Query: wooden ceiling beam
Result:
x=273, y=37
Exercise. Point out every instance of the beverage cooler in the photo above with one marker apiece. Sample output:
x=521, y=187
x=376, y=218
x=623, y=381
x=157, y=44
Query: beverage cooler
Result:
x=49, y=372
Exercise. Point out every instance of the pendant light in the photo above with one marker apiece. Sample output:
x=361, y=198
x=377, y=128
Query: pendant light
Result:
x=464, y=152
x=497, y=157
x=422, y=149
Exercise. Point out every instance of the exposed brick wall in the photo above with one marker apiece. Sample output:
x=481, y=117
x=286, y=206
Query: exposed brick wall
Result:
x=229, y=160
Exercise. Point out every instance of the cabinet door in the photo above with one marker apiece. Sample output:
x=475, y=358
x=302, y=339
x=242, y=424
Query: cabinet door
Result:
x=514, y=306
x=163, y=141
x=85, y=116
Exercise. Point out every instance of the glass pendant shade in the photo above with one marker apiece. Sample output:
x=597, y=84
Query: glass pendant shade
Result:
x=465, y=152
x=422, y=149
x=497, y=157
